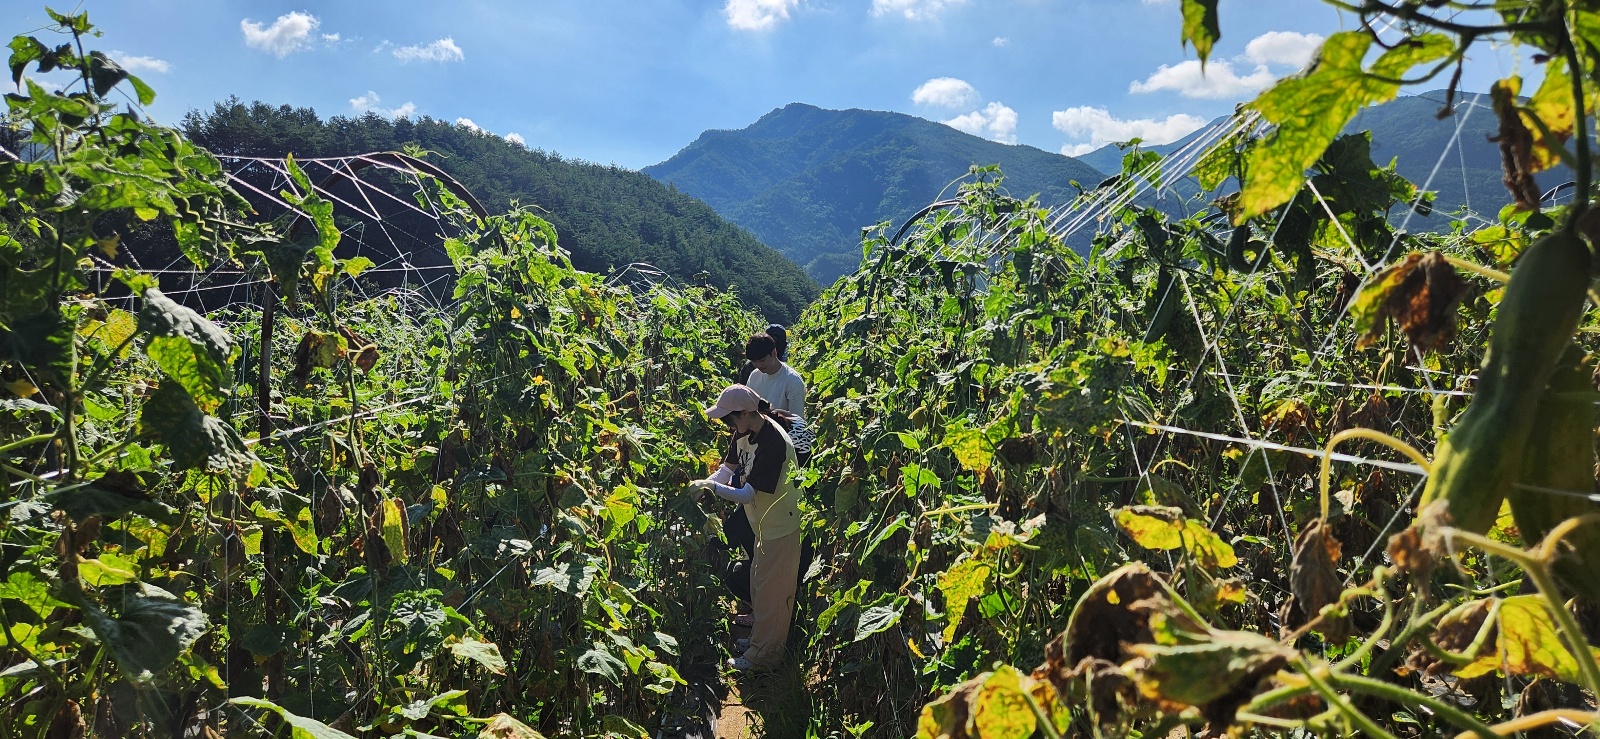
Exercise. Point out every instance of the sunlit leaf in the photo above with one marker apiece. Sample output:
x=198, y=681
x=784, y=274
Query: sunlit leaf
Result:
x=188, y=348
x=300, y=727
x=967, y=580
x=394, y=528
x=1000, y=708
x=879, y=618
x=1201, y=27
x=1309, y=111
x=503, y=726
x=482, y=652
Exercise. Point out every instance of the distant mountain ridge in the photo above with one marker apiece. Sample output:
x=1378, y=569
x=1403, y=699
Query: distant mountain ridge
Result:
x=1462, y=169
x=805, y=180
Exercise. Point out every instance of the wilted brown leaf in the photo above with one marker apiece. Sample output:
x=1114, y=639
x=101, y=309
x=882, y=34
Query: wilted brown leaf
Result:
x=362, y=351
x=1420, y=294
x=1409, y=555
x=1104, y=618
x=1455, y=633
x=1314, y=581
x=1516, y=145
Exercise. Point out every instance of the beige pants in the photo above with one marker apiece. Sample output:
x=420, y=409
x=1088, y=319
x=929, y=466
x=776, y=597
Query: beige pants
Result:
x=773, y=572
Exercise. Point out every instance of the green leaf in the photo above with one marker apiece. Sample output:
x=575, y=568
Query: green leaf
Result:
x=194, y=439
x=687, y=506
x=915, y=478
x=568, y=577
x=1309, y=111
x=188, y=348
x=24, y=51
x=267, y=639
x=1208, y=668
x=600, y=662
x=109, y=495
x=32, y=591
x=618, y=726
x=967, y=580
x=419, y=709
x=849, y=598
x=482, y=652
x=42, y=343
x=879, y=618
x=901, y=521
x=1000, y=708
x=143, y=91
x=152, y=628
x=104, y=73
x=108, y=569
x=1201, y=27
x=300, y=727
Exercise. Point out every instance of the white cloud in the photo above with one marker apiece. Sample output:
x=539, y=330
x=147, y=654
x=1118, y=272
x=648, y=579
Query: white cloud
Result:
x=1001, y=41
x=945, y=92
x=332, y=38
x=1283, y=47
x=1217, y=81
x=136, y=63
x=469, y=125
x=290, y=33
x=516, y=138
x=757, y=15
x=369, y=103
x=912, y=9
x=443, y=50
x=1101, y=128
x=996, y=121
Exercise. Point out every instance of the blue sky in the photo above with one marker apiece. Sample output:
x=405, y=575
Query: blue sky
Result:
x=632, y=81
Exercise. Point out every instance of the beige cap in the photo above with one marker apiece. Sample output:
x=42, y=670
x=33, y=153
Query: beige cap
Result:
x=734, y=398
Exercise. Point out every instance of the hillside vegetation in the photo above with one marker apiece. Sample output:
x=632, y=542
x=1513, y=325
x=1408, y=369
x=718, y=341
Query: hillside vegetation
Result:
x=806, y=180
x=607, y=216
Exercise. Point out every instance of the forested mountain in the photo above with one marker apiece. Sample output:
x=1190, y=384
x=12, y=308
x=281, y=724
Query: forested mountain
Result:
x=1408, y=131
x=606, y=216
x=805, y=180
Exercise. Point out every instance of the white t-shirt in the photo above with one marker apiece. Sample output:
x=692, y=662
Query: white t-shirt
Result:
x=784, y=389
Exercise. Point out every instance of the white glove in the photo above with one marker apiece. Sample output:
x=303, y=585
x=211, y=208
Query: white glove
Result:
x=700, y=486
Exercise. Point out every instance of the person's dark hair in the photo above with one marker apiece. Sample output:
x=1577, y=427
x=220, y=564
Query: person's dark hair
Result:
x=759, y=346
x=780, y=336
x=783, y=418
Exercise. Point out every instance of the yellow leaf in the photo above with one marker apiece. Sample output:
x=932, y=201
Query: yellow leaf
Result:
x=22, y=388
x=394, y=515
x=1152, y=527
x=969, y=578
x=108, y=246
x=1000, y=708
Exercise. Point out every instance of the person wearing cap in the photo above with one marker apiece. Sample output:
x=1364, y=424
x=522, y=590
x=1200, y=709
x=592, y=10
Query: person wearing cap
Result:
x=771, y=377
x=755, y=473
